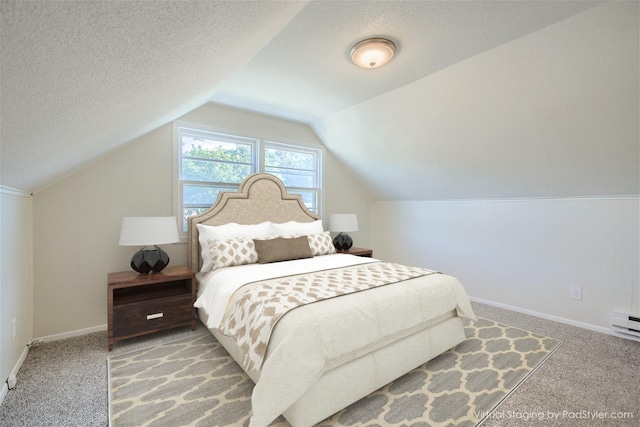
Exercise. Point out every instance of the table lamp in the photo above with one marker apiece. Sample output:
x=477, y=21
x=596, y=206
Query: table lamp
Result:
x=342, y=223
x=149, y=232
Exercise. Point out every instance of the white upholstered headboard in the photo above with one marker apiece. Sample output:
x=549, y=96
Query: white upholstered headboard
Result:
x=260, y=197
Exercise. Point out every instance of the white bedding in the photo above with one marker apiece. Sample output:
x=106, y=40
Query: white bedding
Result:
x=217, y=286
x=313, y=339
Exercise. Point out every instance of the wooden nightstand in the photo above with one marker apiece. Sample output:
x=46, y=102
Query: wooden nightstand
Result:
x=359, y=252
x=139, y=304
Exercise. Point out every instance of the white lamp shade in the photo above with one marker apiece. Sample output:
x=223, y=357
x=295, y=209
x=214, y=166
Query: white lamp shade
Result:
x=343, y=223
x=147, y=231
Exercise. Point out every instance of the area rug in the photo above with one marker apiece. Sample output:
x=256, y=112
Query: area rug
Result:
x=194, y=382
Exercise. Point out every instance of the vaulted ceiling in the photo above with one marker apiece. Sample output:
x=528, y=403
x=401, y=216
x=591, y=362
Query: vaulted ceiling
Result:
x=483, y=99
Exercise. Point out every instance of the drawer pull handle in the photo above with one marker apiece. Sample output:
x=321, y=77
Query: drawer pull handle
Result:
x=154, y=316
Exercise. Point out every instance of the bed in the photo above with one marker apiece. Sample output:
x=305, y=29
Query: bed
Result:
x=322, y=356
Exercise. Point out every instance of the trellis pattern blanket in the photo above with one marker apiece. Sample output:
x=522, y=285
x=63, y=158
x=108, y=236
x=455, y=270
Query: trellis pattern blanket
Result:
x=256, y=308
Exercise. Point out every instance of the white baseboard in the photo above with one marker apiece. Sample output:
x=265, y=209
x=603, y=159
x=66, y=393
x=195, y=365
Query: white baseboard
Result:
x=3, y=392
x=18, y=365
x=71, y=334
x=558, y=319
x=13, y=373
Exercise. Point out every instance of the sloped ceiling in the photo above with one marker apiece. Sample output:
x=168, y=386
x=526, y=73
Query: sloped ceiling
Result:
x=552, y=114
x=306, y=73
x=80, y=78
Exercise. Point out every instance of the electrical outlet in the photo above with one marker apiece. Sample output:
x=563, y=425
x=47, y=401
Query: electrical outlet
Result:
x=13, y=329
x=576, y=293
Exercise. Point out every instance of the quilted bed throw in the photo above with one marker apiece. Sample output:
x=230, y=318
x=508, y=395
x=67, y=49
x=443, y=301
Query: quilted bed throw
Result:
x=255, y=308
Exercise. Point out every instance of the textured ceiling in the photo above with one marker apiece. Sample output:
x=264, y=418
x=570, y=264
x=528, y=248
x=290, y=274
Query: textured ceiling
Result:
x=305, y=72
x=80, y=78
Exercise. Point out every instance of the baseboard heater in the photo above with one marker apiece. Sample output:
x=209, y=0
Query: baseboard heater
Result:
x=625, y=324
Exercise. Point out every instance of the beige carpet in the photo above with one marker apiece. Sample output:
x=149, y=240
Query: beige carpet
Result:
x=195, y=382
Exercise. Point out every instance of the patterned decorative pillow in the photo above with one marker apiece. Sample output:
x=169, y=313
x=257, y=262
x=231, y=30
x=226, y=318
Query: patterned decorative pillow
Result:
x=232, y=252
x=321, y=244
x=225, y=232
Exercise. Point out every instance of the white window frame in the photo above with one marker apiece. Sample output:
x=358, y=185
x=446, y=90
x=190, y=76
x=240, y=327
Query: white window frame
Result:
x=258, y=162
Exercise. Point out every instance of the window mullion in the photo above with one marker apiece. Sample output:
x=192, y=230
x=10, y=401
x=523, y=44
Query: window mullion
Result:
x=260, y=166
x=211, y=183
x=206, y=159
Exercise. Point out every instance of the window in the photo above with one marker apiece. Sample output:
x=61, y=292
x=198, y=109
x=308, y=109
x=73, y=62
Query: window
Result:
x=209, y=162
x=298, y=169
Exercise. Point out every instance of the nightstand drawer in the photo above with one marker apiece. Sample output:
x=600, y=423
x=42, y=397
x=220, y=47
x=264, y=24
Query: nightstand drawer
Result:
x=140, y=304
x=153, y=314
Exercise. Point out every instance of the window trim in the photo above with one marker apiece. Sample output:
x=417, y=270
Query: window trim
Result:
x=262, y=142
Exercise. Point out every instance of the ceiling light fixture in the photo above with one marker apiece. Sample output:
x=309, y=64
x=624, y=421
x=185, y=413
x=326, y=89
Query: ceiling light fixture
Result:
x=372, y=53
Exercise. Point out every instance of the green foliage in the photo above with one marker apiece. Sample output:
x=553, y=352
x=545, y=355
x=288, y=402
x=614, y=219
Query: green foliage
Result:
x=219, y=165
x=288, y=159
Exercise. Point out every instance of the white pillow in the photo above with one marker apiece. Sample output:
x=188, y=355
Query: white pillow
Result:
x=321, y=244
x=293, y=228
x=226, y=232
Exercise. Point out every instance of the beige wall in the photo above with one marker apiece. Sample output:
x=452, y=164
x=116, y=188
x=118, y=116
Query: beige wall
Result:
x=16, y=286
x=77, y=220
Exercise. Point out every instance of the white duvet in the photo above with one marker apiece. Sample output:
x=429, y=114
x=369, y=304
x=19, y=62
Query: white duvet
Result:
x=319, y=337
x=216, y=287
